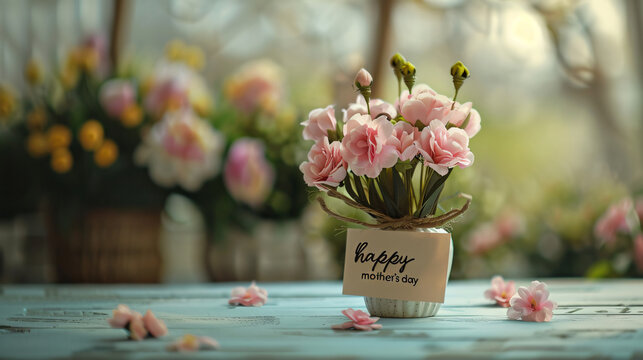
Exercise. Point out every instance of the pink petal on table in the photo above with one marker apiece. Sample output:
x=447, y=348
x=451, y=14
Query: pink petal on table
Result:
x=156, y=327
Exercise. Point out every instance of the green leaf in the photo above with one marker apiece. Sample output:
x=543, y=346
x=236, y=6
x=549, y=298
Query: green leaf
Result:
x=400, y=196
x=391, y=208
x=419, y=125
x=359, y=188
x=436, y=182
x=403, y=165
x=374, y=198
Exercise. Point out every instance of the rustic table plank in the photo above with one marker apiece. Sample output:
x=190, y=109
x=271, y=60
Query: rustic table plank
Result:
x=594, y=319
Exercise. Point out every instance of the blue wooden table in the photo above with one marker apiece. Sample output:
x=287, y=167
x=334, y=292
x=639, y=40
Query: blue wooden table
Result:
x=594, y=320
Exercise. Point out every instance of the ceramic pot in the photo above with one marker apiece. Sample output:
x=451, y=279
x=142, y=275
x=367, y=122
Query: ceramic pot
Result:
x=392, y=308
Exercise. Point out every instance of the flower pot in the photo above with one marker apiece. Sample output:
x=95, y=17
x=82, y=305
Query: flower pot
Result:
x=393, y=308
x=108, y=246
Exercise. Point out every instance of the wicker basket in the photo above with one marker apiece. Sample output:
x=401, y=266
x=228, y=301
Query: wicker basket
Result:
x=109, y=246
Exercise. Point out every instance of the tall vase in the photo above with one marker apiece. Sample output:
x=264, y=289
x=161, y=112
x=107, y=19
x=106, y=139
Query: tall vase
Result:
x=392, y=308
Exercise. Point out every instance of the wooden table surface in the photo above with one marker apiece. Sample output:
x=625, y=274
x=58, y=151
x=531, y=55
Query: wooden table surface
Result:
x=593, y=320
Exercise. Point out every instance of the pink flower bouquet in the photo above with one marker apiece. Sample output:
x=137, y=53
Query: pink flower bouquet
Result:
x=392, y=161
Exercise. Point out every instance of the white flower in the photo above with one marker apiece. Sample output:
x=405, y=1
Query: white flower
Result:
x=182, y=149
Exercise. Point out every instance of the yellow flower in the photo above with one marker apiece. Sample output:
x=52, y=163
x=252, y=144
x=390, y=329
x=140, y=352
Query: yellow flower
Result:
x=36, y=119
x=132, y=116
x=7, y=102
x=88, y=59
x=107, y=154
x=59, y=136
x=91, y=135
x=201, y=104
x=174, y=50
x=37, y=144
x=146, y=85
x=69, y=77
x=61, y=160
x=33, y=73
x=193, y=56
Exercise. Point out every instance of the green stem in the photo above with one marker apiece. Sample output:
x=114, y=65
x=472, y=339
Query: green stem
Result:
x=454, y=97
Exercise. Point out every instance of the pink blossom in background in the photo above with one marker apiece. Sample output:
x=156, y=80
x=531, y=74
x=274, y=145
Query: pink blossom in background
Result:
x=319, y=122
x=359, y=320
x=181, y=149
x=443, y=149
x=532, y=303
x=98, y=45
x=189, y=343
x=617, y=218
x=510, y=223
x=251, y=296
x=137, y=330
x=368, y=145
x=155, y=326
x=247, y=173
x=501, y=292
x=363, y=77
x=638, y=252
x=378, y=107
x=483, y=238
x=639, y=209
x=121, y=316
x=325, y=165
x=405, y=135
x=257, y=86
x=117, y=95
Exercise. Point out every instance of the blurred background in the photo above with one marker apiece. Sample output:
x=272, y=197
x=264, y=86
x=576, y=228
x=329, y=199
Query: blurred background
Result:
x=159, y=141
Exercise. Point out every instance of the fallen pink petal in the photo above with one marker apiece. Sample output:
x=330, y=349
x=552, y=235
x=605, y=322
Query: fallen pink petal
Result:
x=121, y=316
x=360, y=320
x=532, y=303
x=155, y=326
x=190, y=343
x=251, y=296
x=137, y=330
x=501, y=292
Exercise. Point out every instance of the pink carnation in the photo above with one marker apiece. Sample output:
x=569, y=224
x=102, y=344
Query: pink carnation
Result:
x=325, y=165
x=248, y=175
x=117, y=95
x=501, y=292
x=443, y=149
x=532, y=303
x=359, y=320
x=405, y=135
x=319, y=122
x=368, y=145
x=426, y=105
x=618, y=218
x=378, y=107
x=252, y=296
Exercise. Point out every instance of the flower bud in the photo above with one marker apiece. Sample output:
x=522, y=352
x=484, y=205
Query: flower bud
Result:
x=397, y=61
x=459, y=73
x=363, y=81
x=408, y=72
x=363, y=78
